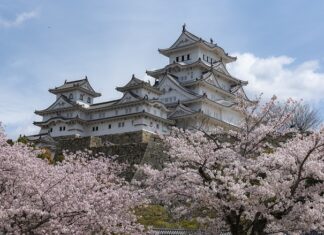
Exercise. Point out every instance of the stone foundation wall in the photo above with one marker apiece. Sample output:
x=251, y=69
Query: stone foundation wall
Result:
x=131, y=148
x=75, y=143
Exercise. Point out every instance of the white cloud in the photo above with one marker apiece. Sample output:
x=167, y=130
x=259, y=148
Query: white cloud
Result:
x=280, y=76
x=20, y=19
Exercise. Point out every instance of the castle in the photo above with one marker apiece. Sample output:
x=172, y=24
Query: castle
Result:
x=194, y=90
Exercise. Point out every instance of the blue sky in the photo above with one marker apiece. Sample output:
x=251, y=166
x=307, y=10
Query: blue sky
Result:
x=279, y=45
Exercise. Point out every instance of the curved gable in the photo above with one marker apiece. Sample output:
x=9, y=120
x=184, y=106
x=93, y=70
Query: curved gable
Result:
x=170, y=87
x=61, y=102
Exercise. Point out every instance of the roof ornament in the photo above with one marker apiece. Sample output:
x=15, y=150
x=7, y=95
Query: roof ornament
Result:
x=64, y=82
x=86, y=77
x=211, y=41
x=133, y=76
x=184, y=27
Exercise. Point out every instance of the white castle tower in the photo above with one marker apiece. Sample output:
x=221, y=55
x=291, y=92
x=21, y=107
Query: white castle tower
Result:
x=193, y=91
x=196, y=85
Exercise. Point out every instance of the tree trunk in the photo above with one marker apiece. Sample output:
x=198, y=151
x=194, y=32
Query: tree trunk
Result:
x=237, y=228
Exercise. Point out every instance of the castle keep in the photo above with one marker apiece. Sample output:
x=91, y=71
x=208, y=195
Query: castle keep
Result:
x=194, y=90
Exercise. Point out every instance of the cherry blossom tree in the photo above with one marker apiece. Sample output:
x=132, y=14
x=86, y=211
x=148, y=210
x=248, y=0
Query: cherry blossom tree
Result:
x=81, y=195
x=256, y=179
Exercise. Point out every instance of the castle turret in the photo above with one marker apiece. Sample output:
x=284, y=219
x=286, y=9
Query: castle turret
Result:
x=78, y=90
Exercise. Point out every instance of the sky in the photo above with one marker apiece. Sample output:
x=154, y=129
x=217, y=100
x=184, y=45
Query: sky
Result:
x=279, y=46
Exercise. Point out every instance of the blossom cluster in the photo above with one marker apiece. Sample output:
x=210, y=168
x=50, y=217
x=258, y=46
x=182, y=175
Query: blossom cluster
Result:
x=81, y=195
x=261, y=177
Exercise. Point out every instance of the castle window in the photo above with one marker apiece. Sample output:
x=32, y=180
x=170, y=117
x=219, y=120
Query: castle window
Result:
x=128, y=110
x=177, y=58
x=89, y=100
x=51, y=130
x=121, y=124
x=81, y=96
x=95, y=128
x=188, y=57
x=71, y=96
x=203, y=56
x=207, y=58
x=109, y=126
x=116, y=112
x=157, y=126
x=182, y=58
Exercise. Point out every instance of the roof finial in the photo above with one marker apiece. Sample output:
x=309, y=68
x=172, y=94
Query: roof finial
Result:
x=65, y=81
x=133, y=76
x=184, y=27
x=211, y=41
x=86, y=77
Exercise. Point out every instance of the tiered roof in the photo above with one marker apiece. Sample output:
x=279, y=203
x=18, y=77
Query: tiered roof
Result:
x=61, y=103
x=188, y=40
x=136, y=83
x=79, y=120
x=217, y=68
x=82, y=84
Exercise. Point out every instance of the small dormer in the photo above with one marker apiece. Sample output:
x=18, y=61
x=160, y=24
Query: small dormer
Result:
x=189, y=48
x=76, y=91
x=140, y=88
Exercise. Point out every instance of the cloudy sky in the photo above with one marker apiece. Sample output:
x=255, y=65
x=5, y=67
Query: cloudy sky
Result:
x=279, y=45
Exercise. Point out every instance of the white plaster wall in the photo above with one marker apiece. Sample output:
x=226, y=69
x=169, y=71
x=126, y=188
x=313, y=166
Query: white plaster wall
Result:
x=202, y=52
x=130, y=125
x=231, y=116
x=76, y=96
x=211, y=93
x=56, y=129
x=193, y=56
x=225, y=84
x=142, y=92
x=187, y=74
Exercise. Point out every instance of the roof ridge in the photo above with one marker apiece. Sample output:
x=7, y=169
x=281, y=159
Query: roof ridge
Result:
x=74, y=81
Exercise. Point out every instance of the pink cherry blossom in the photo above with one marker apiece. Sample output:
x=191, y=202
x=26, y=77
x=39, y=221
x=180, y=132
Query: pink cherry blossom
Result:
x=79, y=196
x=262, y=177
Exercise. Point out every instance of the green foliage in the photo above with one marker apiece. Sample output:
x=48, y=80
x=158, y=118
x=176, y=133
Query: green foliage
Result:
x=158, y=217
x=22, y=139
x=58, y=158
x=10, y=142
x=46, y=154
